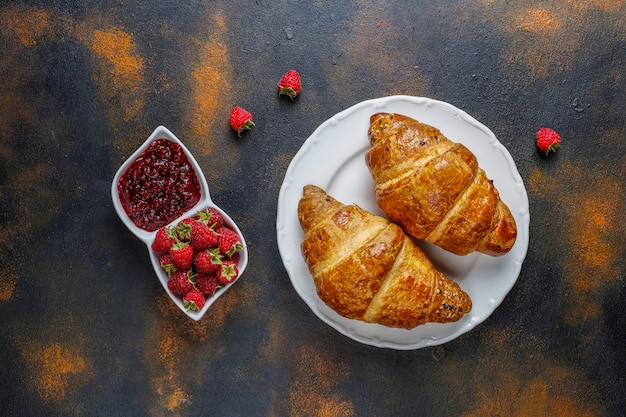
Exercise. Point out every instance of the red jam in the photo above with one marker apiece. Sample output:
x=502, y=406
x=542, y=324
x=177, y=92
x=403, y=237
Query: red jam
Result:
x=158, y=186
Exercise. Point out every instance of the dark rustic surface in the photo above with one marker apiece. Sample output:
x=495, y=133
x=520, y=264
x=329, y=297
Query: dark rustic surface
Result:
x=86, y=328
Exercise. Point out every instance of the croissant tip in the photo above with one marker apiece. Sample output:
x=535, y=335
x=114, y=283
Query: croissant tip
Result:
x=310, y=188
x=376, y=116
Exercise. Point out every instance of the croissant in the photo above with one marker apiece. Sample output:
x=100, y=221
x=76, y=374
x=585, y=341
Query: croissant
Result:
x=366, y=268
x=434, y=188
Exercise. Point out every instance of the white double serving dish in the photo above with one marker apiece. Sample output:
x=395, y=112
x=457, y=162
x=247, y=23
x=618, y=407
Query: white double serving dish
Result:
x=148, y=236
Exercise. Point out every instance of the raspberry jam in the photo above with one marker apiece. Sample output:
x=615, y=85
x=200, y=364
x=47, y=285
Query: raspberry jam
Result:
x=159, y=185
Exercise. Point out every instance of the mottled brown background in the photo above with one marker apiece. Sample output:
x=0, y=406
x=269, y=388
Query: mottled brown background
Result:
x=86, y=329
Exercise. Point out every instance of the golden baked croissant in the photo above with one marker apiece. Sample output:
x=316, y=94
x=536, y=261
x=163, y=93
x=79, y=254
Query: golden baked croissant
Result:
x=365, y=267
x=434, y=188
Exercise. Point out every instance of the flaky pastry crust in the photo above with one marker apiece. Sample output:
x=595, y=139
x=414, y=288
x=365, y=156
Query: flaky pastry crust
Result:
x=434, y=189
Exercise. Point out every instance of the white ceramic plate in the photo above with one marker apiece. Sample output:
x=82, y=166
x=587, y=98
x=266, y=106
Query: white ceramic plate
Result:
x=333, y=158
x=148, y=237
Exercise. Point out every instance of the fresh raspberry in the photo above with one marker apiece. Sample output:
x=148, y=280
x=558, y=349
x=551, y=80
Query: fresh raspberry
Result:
x=180, y=283
x=215, y=220
x=194, y=300
x=211, y=217
x=208, y=260
x=235, y=257
x=163, y=240
x=290, y=84
x=227, y=272
x=167, y=263
x=183, y=229
x=240, y=120
x=207, y=283
x=228, y=241
x=202, y=237
x=548, y=140
x=182, y=254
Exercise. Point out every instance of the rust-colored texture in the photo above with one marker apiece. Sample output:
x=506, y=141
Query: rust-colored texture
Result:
x=86, y=326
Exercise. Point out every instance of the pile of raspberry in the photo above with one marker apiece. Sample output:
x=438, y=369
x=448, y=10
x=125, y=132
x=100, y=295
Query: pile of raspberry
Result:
x=199, y=255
